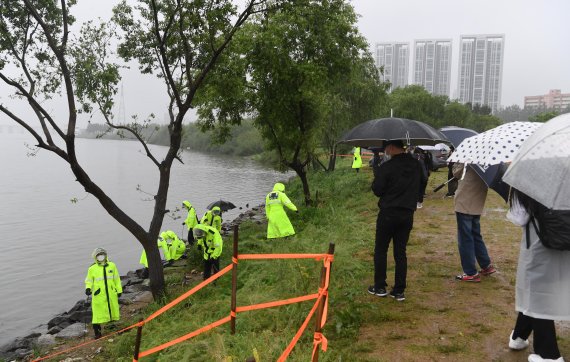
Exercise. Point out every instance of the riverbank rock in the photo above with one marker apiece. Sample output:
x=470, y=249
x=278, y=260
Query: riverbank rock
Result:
x=45, y=340
x=19, y=348
x=75, y=330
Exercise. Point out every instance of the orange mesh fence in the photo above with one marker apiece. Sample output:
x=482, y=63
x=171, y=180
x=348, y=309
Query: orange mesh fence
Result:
x=184, y=337
x=188, y=293
x=319, y=339
x=277, y=303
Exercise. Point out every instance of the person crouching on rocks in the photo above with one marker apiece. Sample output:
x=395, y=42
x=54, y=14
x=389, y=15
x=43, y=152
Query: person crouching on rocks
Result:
x=103, y=283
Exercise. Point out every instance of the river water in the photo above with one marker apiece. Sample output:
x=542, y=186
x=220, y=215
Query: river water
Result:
x=47, y=240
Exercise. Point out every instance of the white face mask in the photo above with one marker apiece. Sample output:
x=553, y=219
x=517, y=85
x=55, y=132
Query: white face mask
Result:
x=100, y=257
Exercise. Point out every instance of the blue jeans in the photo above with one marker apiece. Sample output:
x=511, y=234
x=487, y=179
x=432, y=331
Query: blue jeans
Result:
x=471, y=245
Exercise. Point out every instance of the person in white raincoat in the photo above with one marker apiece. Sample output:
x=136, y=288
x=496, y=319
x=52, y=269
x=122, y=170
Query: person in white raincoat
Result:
x=542, y=287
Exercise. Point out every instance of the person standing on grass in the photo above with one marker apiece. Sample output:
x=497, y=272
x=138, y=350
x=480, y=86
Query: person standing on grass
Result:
x=278, y=224
x=469, y=202
x=191, y=220
x=397, y=182
x=357, y=160
x=103, y=283
x=542, y=286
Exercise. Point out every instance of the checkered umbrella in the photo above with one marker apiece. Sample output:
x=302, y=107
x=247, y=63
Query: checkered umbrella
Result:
x=496, y=145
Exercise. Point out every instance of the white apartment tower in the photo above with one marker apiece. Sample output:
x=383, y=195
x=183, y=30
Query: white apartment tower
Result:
x=432, y=65
x=394, y=57
x=481, y=69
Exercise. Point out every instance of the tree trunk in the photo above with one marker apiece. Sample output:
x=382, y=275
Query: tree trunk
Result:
x=300, y=170
x=332, y=158
x=156, y=272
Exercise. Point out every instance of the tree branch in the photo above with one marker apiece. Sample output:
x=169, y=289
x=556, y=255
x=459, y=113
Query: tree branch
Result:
x=34, y=103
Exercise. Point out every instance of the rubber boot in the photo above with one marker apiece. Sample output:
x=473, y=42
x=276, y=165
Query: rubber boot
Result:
x=97, y=330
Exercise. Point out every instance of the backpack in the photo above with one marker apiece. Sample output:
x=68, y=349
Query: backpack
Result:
x=553, y=228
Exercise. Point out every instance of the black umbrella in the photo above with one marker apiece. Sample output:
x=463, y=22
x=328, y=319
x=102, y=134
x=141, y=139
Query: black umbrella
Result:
x=457, y=134
x=493, y=177
x=223, y=205
x=376, y=132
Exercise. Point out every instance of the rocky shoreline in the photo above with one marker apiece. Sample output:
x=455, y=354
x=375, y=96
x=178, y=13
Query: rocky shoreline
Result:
x=76, y=322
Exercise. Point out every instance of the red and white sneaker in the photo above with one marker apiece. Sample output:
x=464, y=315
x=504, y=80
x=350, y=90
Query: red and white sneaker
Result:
x=469, y=278
x=488, y=270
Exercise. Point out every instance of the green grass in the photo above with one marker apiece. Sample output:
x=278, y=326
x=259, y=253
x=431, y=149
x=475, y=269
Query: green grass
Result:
x=440, y=318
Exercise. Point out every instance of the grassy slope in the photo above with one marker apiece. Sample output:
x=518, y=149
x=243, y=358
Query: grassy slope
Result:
x=441, y=319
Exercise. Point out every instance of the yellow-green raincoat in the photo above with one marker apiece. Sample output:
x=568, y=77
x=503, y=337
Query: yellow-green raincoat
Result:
x=278, y=225
x=212, y=242
x=165, y=250
x=357, y=161
x=212, y=220
x=191, y=218
x=105, y=284
x=176, y=247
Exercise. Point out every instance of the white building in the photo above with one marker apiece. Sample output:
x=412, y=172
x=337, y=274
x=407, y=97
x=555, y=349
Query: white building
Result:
x=395, y=58
x=481, y=69
x=432, y=65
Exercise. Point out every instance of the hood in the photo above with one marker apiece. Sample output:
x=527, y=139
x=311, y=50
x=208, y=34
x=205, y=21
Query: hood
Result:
x=98, y=251
x=187, y=204
x=168, y=234
x=216, y=208
x=279, y=187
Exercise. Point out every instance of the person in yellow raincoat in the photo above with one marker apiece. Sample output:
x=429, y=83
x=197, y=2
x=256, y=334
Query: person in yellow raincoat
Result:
x=103, y=283
x=165, y=250
x=191, y=220
x=211, y=243
x=176, y=247
x=278, y=225
x=357, y=161
x=213, y=218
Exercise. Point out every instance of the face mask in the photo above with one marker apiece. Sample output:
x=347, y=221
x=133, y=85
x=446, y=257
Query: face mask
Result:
x=100, y=257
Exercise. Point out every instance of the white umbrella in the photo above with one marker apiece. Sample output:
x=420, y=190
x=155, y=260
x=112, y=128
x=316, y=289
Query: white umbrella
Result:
x=496, y=145
x=541, y=168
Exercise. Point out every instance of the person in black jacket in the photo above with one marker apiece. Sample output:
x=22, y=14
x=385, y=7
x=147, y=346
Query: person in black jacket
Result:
x=397, y=183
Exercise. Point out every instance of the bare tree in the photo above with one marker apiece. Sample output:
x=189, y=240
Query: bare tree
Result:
x=179, y=40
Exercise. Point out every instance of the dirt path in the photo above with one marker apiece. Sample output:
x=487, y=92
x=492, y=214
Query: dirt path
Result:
x=443, y=319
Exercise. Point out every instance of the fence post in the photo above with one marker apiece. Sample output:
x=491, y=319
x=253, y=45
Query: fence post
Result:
x=319, y=316
x=138, y=342
x=234, y=281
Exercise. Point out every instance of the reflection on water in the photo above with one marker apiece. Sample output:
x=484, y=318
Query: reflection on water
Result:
x=47, y=239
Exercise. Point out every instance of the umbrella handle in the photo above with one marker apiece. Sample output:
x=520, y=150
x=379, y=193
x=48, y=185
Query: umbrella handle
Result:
x=443, y=184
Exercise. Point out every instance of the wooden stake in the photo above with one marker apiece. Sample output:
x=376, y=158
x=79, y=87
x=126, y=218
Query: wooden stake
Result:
x=138, y=342
x=234, y=282
x=319, y=316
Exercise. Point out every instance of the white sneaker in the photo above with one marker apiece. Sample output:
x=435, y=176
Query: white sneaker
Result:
x=518, y=343
x=419, y=205
x=537, y=358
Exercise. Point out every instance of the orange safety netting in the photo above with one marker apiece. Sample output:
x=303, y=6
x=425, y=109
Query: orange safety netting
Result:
x=319, y=339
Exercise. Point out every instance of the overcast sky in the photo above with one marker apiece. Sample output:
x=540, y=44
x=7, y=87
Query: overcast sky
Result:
x=537, y=42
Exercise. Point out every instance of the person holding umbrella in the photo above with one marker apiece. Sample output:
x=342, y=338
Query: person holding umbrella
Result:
x=397, y=182
x=213, y=218
x=469, y=203
x=103, y=283
x=542, y=289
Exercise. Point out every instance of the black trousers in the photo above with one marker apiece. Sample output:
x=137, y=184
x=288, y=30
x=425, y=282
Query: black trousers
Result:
x=544, y=341
x=209, y=265
x=393, y=225
x=190, y=237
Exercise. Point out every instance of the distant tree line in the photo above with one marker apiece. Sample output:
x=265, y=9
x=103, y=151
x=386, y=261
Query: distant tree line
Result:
x=539, y=114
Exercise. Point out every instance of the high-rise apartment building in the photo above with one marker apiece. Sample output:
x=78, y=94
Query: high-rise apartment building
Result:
x=432, y=65
x=481, y=69
x=554, y=99
x=394, y=57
